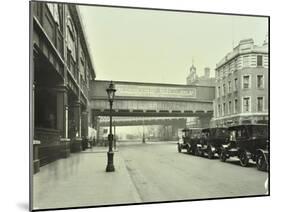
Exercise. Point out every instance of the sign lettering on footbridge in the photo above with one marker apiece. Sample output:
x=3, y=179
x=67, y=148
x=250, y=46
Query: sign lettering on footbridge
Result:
x=152, y=99
x=154, y=91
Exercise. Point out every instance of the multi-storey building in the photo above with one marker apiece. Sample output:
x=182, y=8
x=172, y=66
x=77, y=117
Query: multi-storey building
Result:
x=61, y=70
x=242, y=85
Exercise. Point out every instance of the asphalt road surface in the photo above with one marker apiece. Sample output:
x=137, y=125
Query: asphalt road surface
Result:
x=160, y=173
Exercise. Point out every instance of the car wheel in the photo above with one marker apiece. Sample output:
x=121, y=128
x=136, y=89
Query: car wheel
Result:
x=261, y=163
x=210, y=154
x=244, y=159
x=196, y=152
x=179, y=148
x=188, y=148
x=222, y=157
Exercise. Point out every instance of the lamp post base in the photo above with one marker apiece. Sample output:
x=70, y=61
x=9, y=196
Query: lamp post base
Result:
x=110, y=166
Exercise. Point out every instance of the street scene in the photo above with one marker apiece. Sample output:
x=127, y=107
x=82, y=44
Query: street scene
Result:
x=131, y=105
x=81, y=181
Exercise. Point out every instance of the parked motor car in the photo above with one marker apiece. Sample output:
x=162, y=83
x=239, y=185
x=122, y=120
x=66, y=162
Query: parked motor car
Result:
x=248, y=142
x=190, y=137
x=211, y=141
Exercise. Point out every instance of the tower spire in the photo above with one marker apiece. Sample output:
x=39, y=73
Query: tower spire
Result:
x=192, y=68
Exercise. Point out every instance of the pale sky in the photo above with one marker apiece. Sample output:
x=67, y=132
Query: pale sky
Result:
x=158, y=46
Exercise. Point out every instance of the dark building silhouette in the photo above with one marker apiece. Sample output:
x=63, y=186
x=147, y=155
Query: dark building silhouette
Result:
x=205, y=80
x=61, y=72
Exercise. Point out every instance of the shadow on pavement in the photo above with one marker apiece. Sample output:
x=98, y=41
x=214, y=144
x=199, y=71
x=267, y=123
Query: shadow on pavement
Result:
x=237, y=163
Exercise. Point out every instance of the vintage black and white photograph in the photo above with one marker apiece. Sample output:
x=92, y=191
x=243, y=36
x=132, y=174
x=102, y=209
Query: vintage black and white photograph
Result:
x=140, y=105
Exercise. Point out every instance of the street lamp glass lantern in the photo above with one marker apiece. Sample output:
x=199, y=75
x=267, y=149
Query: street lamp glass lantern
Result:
x=111, y=91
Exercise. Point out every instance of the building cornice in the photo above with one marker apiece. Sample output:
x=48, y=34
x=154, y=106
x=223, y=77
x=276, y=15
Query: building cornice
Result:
x=228, y=60
x=241, y=115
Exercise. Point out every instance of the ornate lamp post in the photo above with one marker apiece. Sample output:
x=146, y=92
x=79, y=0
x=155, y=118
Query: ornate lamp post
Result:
x=111, y=93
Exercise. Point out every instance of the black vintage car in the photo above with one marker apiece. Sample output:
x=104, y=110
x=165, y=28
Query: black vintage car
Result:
x=248, y=142
x=211, y=141
x=190, y=137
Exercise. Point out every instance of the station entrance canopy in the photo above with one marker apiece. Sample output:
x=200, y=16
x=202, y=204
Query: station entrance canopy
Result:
x=152, y=99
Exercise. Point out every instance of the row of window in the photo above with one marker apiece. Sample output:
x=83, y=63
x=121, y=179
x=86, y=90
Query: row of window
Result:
x=222, y=92
x=246, y=84
x=55, y=10
x=247, y=81
x=246, y=61
x=246, y=107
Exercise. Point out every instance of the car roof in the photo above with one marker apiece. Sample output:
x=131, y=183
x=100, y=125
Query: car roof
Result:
x=186, y=129
x=214, y=128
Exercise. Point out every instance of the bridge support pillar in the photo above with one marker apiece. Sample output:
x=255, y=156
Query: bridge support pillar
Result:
x=174, y=132
x=98, y=130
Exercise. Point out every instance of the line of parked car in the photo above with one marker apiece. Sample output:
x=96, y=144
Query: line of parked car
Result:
x=247, y=142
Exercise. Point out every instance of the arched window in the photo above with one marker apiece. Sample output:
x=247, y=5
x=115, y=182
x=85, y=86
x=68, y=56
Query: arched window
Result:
x=54, y=9
x=71, y=28
x=71, y=37
x=82, y=64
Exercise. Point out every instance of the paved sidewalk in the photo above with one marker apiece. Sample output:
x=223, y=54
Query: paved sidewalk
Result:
x=81, y=180
x=99, y=149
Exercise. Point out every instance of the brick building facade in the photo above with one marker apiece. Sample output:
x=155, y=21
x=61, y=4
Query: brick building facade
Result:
x=242, y=85
x=61, y=71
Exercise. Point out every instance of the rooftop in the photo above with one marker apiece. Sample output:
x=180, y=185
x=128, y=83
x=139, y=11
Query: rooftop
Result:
x=244, y=46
